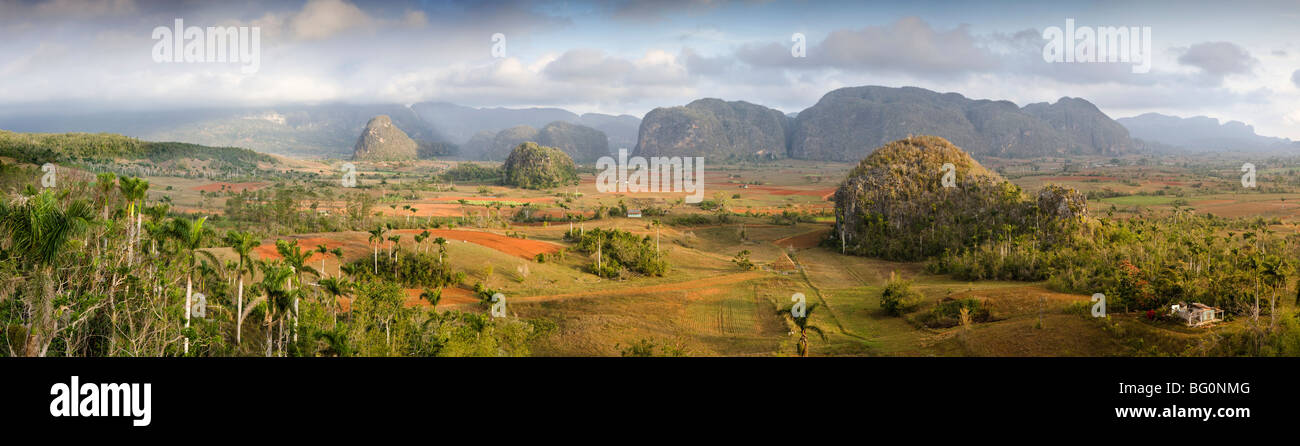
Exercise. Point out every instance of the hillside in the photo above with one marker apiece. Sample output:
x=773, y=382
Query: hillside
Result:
x=716, y=129
x=40, y=148
x=893, y=205
x=531, y=166
x=581, y=143
x=460, y=124
x=383, y=141
x=848, y=121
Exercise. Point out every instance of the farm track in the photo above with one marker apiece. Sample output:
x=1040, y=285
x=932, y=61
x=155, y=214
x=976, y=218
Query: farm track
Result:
x=829, y=309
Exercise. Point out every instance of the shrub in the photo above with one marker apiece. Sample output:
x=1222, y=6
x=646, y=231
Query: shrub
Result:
x=898, y=295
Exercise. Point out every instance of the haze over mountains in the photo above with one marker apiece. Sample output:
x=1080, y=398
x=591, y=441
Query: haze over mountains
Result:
x=844, y=125
x=1202, y=133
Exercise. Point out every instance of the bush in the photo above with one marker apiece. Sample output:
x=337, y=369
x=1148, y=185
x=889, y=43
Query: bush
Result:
x=898, y=295
x=948, y=313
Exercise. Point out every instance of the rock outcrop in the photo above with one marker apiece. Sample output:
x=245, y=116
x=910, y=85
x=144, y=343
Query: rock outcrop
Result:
x=383, y=141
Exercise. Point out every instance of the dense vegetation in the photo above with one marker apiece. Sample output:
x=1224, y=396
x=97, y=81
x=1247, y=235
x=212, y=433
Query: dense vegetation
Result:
x=89, y=269
x=894, y=204
x=615, y=252
x=531, y=166
x=40, y=148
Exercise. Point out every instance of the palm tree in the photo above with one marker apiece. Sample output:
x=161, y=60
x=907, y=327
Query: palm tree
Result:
x=376, y=237
x=442, y=248
x=419, y=240
x=433, y=296
x=134, y=191
x=322, y=250
x=243, y=244
x=39, y=233
x=296, y=258
x=335, y=287
x=189, y=235
x=802, y=323
x=276, y=277
x=105, y=182
x=1274, y=275
x=338, y=254
x=395, y=246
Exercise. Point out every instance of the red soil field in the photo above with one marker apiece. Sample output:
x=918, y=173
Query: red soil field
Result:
x=357, y=243
x=450, y=296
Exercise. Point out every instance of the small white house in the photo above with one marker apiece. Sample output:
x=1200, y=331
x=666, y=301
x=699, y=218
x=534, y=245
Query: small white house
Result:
x=1196, y=314
x=633, y=213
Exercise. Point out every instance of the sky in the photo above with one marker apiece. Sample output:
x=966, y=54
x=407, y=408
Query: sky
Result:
x=1227, y=60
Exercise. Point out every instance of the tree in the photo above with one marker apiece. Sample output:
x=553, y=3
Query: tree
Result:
x=242, y=243
x=801, y=322
x=377, y=237
x=40, y=232
x=335, y=287
x=296, y=258
x=338, y=254
x=742, y=260
x=105, y=183
x=433, y=296
x=277, y=295
x=134, y=191
x=322, y=250
x=189, y=235
x=1274, y=275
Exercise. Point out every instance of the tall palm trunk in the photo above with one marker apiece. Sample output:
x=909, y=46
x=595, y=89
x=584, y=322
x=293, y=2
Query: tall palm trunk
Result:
x=239, y=315
x=42, y=321
x=188, y=290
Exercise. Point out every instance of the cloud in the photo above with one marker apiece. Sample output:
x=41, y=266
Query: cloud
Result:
x=590, y=66
x=587, y=65
x=699, y=65
x=320, y=19
x=909, y=45
x=1295, y=78
x=415, y=19
x=1218, y=59
x=85, y=8
x=656, y=11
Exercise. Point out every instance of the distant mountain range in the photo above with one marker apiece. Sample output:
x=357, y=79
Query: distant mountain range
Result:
x=1202, y=133
x=848, y=123
x=460, y=123
x=844, y=125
